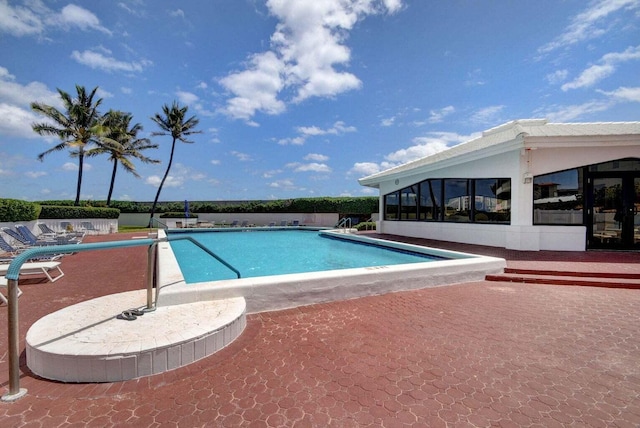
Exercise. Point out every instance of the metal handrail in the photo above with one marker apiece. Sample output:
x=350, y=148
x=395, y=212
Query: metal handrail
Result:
x=159, y=222
x=343, y=223
x=15, y=392
x=206, y=250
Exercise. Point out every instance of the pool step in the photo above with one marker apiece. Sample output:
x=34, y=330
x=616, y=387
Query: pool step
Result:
x=590, y=279
x=87, y=342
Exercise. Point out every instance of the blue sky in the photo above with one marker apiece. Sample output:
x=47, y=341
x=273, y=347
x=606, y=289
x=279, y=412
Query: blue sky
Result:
x=301, y=98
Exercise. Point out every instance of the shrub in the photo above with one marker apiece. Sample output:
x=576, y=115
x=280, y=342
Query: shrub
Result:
x=366, y=225
x=14, y=210
x=177, y=214
x=65, y=212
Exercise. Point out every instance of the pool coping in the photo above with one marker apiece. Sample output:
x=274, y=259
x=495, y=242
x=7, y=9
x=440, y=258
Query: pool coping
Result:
x=270, y=293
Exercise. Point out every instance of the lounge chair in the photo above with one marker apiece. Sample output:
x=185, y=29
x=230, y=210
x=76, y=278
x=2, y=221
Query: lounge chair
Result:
x=11, y=251
x=24, y=242
x=245, y=223
x=283, y=223
x=3, y=284
x=234, y=223
x=46, y=240
x=48, y=232
x=295, y=223
x=37, y=268
x=89, y=227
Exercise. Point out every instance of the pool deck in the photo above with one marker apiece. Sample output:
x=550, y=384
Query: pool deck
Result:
x=473, y=354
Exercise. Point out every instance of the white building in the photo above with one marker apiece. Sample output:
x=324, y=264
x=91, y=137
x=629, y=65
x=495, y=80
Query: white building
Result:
x=524, y=185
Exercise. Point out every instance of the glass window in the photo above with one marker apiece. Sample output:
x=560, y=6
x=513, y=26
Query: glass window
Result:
x=431, y=200
x=456, y=200
x=409, y=203
x=391, y=206
x=492, y=201
x=558, y=197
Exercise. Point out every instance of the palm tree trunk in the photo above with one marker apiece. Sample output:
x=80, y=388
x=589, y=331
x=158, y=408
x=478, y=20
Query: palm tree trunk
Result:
x=113, y=180
x=80, y=165
x=166, y=174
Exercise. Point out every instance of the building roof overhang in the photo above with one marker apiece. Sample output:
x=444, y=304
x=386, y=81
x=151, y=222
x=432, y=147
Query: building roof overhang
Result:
x=516, y=135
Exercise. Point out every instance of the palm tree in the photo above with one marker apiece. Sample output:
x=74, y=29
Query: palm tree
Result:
x=173, y=123
x=121, y=143
x=78, y=126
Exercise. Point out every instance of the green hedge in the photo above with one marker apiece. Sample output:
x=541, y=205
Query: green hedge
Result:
x=68, y=212
x=178, y=214
x=341, y=205
x=14, y=210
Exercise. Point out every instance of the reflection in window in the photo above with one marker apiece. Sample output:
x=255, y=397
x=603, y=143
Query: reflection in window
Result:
x=391, y=206
x=492, y=201
x=431, y=200
x=457, y=198
x=409, y=203
x=558, y=197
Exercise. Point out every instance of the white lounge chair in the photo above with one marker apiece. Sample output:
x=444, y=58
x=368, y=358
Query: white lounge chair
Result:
x=37, y=268
x=3, y=283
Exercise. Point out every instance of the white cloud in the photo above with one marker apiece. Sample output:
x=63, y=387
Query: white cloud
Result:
x=97, y=60
x=76, y=16
x=34, y=18
x=178, y=13
x=215, y=162
x=432, y=143
x=71, y=166
x=305, y=132
x=557, y=76
x=16, y=116
x=171, y=181
x=387, y=121
x=572, y=112
x=316, y=157
x=187, y=97
x=487, y=115
x=363, y=169
x=306, y=47
x=23, y=95
x=282, y=184
x=437, y=116
x=587, y=24
x=309, y=167
x=19, y=20
x=606, y=68
x=126, y=90
x=624, y=94
x=35, y=174
x=16, y=121
x=257, y=88
x=242, y=157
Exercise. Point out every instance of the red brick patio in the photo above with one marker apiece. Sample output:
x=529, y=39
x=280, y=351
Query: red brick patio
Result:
x=475, y=354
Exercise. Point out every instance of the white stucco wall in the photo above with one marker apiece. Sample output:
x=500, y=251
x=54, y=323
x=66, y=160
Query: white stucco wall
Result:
x=520, y=234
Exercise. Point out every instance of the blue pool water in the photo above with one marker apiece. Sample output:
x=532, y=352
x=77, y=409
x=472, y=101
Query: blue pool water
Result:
x=265, y=252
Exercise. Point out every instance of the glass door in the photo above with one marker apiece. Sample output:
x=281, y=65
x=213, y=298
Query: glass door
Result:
x=615, y=217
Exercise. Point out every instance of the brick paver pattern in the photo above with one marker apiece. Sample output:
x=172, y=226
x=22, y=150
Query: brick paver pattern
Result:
x=475, y=354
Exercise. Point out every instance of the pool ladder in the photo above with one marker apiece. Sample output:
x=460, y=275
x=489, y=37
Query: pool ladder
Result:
x=345, y=225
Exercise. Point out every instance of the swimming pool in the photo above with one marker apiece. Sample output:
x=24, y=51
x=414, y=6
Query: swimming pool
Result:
x=266, y=252
x=274, y=292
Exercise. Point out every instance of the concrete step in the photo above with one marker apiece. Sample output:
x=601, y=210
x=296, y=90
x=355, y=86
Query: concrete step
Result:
x=589, y=279
x=87, y=342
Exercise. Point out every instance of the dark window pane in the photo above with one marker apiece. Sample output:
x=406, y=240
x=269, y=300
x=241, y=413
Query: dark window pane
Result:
x=409, y=203
x=391, y=206
x=457, y=198
x=492, y=201
x=431, y=200
x=558, y=197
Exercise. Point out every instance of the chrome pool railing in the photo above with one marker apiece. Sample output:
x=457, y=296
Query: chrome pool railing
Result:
x=15, y=392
